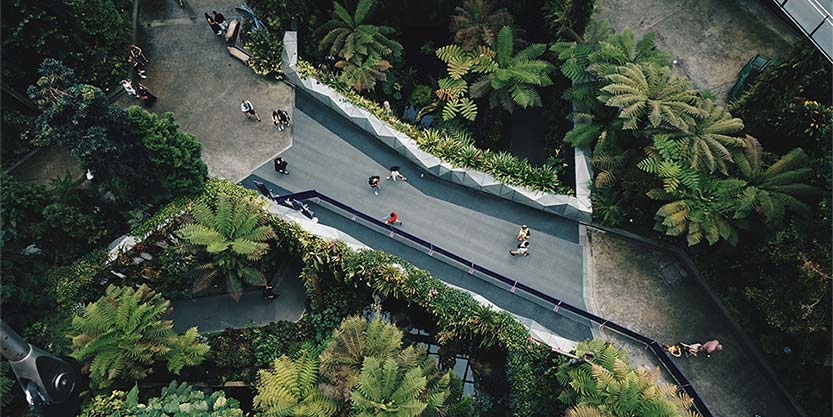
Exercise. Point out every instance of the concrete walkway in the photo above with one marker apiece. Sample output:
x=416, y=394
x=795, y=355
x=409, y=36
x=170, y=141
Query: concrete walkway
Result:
x=471, y=224
x=711, y=39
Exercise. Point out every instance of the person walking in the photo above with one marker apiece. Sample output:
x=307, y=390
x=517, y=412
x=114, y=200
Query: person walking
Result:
x=394, y=172
x=280, y=166
x=136, y=53
x=523, y=234
x=276, y=120
x=711, y=346
x=215, y=28
x=523, y=249
x=373, y=181
x=392, y=218
x=128, y=88
x=220, y=20
x=248, y=109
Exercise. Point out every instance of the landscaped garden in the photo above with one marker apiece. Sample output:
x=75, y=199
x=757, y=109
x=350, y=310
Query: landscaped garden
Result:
x=745, y=188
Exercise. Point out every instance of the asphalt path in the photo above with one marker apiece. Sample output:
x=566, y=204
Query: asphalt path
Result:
x=333, y=156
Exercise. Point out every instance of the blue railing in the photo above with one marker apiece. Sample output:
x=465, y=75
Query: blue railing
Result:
x=655, y=346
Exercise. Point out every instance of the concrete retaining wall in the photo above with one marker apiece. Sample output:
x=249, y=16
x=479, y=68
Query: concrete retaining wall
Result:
x=576, y=208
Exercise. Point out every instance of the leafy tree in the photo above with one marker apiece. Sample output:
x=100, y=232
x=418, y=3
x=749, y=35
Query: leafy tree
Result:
x=122, y=334
x=180, y=400
x=289, y=389
x=514, y=80
x=231, y=237
x=773, y=190
x=361, y=44
x=173, y=154
x=477, y=22
x=650, y=96
x=606, y=386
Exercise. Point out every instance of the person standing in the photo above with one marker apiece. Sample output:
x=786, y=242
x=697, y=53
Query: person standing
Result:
x=137, y=66
x=523, y=234
x=220, y=19
x=276, y=120
x=215, y=28
x=394, y=172
x=248, y=109
x=283, y=116
x=128, y=88
x=393, y=218
x=136, y=53
x=280, y=166
x=374, y=183
x=523, y=249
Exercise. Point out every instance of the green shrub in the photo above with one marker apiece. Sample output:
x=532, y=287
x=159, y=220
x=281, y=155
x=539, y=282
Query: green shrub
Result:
x=182, y=401
x=266, y=52
x=104, y=405
x=69, y=282
x=421, y=95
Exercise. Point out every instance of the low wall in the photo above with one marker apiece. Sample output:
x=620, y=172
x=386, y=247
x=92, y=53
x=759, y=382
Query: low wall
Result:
x=576, y=208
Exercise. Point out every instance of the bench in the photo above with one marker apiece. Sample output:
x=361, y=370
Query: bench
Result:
x=233, y=25
x=238, y=53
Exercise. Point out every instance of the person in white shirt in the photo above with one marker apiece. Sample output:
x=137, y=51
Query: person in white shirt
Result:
x=248, y=109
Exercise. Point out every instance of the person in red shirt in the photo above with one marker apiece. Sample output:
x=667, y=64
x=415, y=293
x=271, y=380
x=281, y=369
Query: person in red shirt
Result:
x=393, y=218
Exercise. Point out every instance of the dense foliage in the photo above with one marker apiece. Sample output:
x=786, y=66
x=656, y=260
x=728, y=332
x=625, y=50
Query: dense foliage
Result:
x=180, y=400
x=120, y=336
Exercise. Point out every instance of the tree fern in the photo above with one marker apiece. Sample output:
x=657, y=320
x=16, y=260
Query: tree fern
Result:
x=122, y=334
x=289, y=389
x=230, y=237
x=476, y=23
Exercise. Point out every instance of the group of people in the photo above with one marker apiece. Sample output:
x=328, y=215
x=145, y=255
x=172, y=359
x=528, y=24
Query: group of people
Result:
x=523, y=245
x=280, y=118
x=217, y=22
x=374, y=180
x=138, y=60
x=694, y=349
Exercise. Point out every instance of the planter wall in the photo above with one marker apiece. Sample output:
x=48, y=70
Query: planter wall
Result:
x=576, y=208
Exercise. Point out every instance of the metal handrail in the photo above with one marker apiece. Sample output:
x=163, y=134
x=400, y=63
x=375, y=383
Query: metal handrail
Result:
x=654, y=345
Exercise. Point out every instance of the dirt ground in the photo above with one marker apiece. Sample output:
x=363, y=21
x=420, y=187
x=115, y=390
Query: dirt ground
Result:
x=625, y=285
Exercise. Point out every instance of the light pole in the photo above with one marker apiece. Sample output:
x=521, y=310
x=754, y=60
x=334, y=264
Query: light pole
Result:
x=51, y=384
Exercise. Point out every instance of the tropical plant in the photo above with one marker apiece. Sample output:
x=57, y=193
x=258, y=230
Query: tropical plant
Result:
x=477, y=22
x=7, y=383
x=231, y=236
x=180, y=400
x=363, y=75
x=348, y=35
x=514, y=80
x=606, y=386
x=776, y=189
x=122, y=334
x=383, y=389
x=570, y=16
x=266, y=52
x=421, y=95
x=650, y=96
x=710, y=139
x=288, y=388
x=105, y=405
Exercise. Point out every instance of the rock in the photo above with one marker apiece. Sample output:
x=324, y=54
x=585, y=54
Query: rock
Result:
x=146, y=256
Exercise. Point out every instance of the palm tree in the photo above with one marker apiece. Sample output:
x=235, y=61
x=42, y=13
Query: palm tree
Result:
x=710, y=139
x=289, y=389
x=514, y=80
x=477, y=22
x=232, y=236
x=122, y=334
x=363, y=75
x=349, y=37
x=606, y=386
x=776, y=189
x=650, y=96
